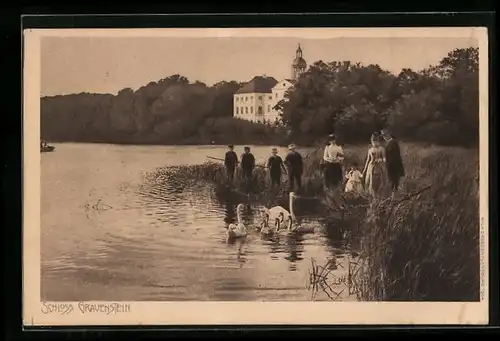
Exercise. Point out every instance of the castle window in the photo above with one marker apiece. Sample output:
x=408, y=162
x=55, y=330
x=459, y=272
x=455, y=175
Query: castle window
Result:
x=246, y=99
x=260, y=97
x=276, y=95
x=246, y=110
x=251, y=110
x=270, y=97
x=237, y=99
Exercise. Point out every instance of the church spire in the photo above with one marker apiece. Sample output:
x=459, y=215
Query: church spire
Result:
x=298, y=53
x=299, y=65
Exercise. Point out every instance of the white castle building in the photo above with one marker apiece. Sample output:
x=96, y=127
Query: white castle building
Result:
x=255, y=100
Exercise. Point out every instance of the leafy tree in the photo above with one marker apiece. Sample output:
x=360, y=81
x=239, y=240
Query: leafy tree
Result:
x=439, y=104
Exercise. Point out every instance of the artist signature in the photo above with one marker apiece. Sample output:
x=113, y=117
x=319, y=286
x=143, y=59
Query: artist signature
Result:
x=321, y=278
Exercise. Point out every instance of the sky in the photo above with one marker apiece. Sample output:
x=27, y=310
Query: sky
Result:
x=108, y=64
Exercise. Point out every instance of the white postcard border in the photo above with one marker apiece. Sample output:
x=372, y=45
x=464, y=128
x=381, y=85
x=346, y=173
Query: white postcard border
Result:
x=36, y=313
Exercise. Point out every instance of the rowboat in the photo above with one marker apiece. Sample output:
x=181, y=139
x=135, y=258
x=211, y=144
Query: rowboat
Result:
x=46, y=148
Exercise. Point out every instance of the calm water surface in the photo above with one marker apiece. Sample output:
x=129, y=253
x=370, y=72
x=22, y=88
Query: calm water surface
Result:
x=110, y=231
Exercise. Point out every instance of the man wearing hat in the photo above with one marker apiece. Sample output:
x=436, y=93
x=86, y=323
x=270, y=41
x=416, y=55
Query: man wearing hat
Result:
x=247, y=164
x=333, y=158
x=293, y=162
x=394, y=162
x=275, y=166
x=230, y=162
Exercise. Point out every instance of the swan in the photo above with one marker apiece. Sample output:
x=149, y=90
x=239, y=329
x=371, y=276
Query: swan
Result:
x=277, y=214
x=237, y=230
x=291, y=220
x=273, y=214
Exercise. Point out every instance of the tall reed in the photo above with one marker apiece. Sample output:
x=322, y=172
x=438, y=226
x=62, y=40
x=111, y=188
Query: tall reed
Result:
x=425, y=247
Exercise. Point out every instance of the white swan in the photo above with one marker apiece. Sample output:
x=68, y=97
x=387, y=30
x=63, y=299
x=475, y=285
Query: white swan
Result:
x=276, y=214
x=237, y=230
x=291, y=221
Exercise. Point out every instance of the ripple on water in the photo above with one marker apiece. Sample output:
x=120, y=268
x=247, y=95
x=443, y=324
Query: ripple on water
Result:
x=166, y=241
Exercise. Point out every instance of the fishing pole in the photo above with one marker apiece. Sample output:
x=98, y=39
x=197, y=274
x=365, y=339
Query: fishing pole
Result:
x=218, y=159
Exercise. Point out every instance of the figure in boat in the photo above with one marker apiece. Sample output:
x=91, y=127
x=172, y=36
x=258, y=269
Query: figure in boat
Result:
x=44, y=147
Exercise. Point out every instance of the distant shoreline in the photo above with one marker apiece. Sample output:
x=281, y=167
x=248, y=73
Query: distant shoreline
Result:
x=316, y=145
x=174, y=144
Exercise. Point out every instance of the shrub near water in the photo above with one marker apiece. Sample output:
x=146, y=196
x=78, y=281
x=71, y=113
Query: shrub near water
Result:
x=214, y=173
x=415, y=247
x=426, y=247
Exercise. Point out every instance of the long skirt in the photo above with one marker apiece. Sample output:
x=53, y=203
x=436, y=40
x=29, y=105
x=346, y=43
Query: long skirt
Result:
x=374, y=178
x=332, y=174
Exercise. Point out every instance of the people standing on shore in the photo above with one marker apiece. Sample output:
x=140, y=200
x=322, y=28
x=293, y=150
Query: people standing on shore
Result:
x=394, y=162
x=374, y=169
x=247, y=164
x=275, y=166
x=230, y=162
x=294, y=163
x=333, y=158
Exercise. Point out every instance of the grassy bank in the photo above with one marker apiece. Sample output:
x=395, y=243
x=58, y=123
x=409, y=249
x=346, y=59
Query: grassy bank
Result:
x=425, y=247
x=421, y=245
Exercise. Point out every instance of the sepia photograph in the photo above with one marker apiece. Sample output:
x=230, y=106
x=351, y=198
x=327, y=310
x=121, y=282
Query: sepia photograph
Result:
x=256, y=175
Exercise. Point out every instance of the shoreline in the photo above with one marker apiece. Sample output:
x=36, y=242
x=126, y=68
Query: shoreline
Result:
x=257, y=144
x=416, y=241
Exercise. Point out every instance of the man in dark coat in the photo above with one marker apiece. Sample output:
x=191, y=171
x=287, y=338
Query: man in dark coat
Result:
x=293, y=161
x=275, y=166
x=393, y=160
x=247, y=164
x=230, y=161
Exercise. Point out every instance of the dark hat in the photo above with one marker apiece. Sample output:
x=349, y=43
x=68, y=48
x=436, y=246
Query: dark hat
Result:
x=231, y=146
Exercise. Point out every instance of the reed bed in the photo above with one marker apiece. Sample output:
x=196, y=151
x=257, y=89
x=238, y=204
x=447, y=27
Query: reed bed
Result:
x=423, y=245
x=420, y=245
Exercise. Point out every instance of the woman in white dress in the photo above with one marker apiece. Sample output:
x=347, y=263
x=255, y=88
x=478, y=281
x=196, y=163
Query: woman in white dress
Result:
x=374, y=170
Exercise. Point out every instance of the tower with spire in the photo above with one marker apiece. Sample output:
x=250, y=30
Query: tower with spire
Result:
x=299, y=65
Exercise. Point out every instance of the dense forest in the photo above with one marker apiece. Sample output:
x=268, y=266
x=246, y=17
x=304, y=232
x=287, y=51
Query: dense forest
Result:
x=438, y=105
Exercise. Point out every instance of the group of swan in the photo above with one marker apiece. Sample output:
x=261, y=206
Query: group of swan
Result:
x=277, y=214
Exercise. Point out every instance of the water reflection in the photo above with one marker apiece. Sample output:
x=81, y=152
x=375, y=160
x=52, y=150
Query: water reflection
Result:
x=334, y=233
x=273, y=241
x=230, y=212
x=239, y=244
x=294, y=248
x=164, y=239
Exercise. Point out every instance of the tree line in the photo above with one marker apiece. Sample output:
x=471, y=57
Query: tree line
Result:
x=436, y=105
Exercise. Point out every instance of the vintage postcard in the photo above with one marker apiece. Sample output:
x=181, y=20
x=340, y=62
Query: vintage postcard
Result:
x=255, y=176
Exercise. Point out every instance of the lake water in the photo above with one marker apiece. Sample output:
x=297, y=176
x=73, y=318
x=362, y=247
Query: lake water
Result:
x=109, y=232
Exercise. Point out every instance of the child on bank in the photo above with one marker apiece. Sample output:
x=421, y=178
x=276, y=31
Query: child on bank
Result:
x=354, y=183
